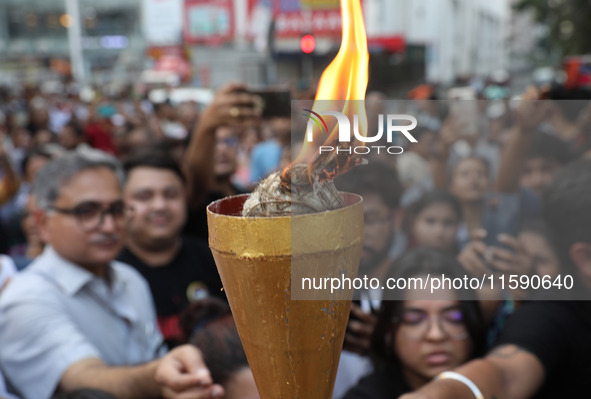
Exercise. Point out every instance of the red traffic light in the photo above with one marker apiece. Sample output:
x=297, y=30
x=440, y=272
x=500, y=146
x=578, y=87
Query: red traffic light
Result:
x=307, y=44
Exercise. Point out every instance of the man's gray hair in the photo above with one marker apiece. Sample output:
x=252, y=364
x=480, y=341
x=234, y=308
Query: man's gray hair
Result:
x=58, y=172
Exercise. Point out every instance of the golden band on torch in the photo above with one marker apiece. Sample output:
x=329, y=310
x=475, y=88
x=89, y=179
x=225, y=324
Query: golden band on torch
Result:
x=293, y=346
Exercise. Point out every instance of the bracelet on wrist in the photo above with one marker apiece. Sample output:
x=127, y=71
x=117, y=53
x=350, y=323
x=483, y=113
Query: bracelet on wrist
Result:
x=451, y=375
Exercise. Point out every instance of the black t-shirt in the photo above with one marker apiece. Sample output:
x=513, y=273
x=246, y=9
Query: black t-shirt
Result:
x=191, y=275
x=559, y=334
x=386, y=382
x=3, y=239
x=196, y=225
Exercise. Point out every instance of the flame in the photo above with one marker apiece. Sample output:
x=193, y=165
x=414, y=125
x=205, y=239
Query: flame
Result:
x=344, y=79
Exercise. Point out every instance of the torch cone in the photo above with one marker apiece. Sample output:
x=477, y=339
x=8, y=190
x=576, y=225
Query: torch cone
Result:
x=293, y=346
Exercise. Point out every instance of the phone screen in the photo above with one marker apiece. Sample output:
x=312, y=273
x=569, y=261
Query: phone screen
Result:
x=501, y=216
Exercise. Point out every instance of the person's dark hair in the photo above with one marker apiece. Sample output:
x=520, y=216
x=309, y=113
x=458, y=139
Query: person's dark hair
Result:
x=34, y=153
x=209, y=325
x=161, y=105
x=85, y=393
x=152, y=158
x=76, y=128
x=421, y=131
x=452, y=168
x=373, y=178
x=471, y=157
x=544, y=145
x=565, y=207
x=170, y=144
x=420, y=262
x=436, y=196
x=58, y=172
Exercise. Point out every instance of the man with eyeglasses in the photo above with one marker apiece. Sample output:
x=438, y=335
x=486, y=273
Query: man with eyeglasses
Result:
x=77, y=319
x=225, y=160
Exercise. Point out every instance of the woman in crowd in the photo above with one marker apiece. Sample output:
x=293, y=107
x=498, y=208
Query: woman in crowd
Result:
x=497, y=206
x=470, y=184
x=433, y=221
x=419, y=337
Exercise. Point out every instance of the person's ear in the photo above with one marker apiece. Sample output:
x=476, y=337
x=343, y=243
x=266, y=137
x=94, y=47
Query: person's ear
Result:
x=41, y=221
x=580, y=253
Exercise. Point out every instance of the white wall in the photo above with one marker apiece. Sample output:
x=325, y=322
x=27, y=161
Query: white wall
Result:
x=462, y=37
x=162, y=21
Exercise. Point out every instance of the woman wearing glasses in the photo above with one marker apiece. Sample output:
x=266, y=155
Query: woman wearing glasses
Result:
x=423, y=335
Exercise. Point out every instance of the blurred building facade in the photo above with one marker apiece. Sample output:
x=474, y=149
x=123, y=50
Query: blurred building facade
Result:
x=429, y=40
x=34, y=34
x=212, y=41
x=462, y=38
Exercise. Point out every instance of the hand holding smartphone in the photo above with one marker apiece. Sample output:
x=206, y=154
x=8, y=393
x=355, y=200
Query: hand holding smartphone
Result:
x=275, y=102
x=464, y=108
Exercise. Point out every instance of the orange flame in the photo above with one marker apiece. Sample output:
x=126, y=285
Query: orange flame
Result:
x=344, y=79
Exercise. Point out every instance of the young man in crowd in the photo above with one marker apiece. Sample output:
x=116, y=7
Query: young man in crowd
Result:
x=225, y=162
x=544, y=350
x=77, y=319
x=545, y=156
x=210, y=159
x=179, y=269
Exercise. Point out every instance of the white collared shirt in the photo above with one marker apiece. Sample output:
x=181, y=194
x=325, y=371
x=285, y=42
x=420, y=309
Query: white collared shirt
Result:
x=7, y=269
x=56, y=313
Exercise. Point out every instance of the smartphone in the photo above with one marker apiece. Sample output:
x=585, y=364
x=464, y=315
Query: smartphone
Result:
x=276, y=102
x=464, y=108
x=501, y=216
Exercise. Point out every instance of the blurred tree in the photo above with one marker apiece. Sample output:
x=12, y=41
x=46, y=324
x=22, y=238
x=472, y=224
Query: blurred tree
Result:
x=568, y=24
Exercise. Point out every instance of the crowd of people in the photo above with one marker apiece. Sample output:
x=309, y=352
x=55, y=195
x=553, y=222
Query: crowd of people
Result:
x=108, y=287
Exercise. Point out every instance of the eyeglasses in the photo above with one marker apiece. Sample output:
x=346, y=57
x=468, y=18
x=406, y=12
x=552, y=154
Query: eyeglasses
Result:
x=231, y=142
x=91, y=215
x=415, y=324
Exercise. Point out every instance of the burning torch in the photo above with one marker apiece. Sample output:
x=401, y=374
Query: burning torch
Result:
x=296, y=225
